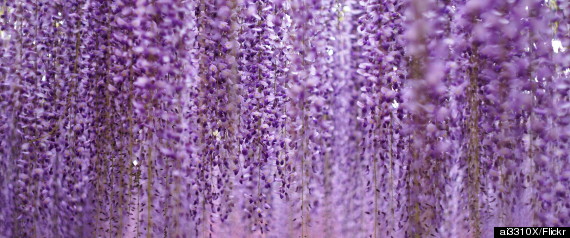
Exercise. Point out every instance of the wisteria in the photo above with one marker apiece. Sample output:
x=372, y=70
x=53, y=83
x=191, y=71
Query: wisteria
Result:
x=283, y=118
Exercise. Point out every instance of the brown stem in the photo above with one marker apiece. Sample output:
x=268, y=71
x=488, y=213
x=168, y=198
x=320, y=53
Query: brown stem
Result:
x=474, y=150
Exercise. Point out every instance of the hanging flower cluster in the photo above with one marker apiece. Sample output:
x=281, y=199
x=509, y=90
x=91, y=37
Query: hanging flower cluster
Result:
x=285, y=118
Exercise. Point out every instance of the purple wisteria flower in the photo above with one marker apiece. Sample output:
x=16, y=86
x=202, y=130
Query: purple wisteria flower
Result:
x=284, y=118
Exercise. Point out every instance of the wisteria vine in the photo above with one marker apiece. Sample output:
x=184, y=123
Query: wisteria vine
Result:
x=283, y=118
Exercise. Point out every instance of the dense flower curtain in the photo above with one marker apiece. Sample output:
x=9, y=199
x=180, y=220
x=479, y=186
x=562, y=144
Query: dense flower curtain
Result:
x=284, y=118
